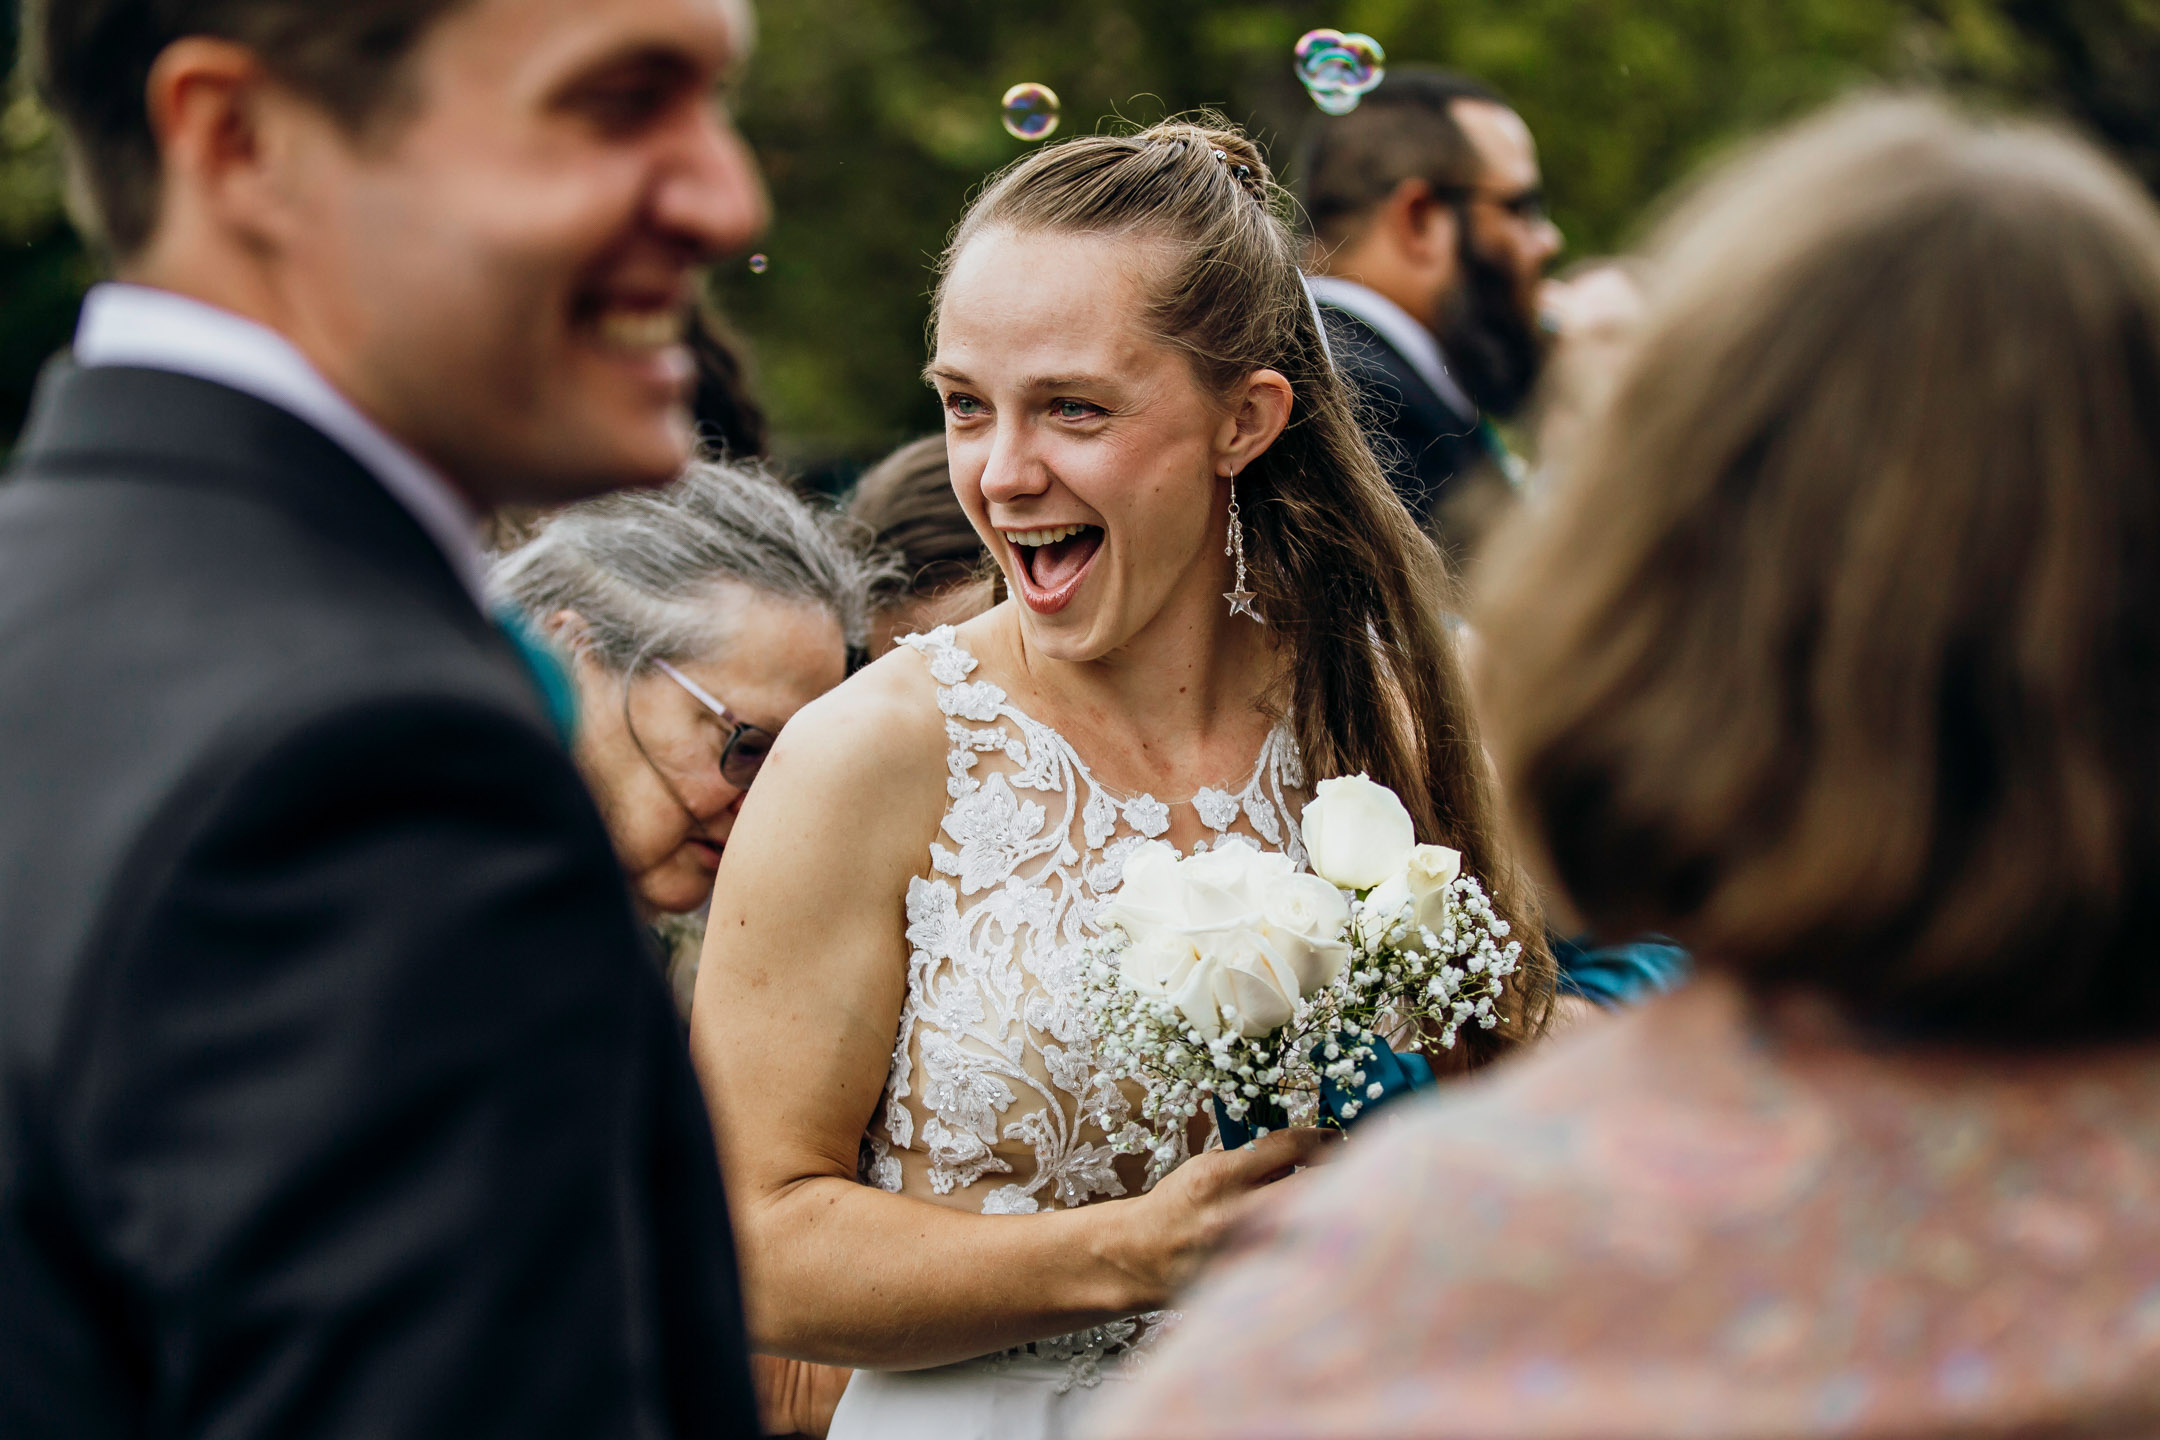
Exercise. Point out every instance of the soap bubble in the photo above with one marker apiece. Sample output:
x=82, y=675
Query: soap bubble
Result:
x=1332, y=60
x=1031, y=112
x=1339, y=70
x=759, y=264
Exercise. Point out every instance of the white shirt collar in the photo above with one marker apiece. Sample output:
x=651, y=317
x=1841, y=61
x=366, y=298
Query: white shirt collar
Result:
x=1400, y=329
x=136, y=325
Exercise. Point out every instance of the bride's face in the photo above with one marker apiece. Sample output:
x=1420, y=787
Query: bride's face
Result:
x=1081, y=444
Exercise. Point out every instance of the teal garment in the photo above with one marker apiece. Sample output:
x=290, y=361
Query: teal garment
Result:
x=550, y=676
x=1508, y=462
x=1611, y=976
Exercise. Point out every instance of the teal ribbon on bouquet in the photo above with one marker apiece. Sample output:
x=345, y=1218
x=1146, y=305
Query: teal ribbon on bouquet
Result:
x=1396, y=1075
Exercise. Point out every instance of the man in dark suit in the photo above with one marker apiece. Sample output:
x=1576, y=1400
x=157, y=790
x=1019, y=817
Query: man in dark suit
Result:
x=1430, y=243
x=338, y=1096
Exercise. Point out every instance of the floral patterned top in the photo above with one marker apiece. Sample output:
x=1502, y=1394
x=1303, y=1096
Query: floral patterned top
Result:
x=994, y=1093
x=1700, y=1220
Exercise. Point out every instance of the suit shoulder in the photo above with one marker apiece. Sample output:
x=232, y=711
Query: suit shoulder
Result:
x=167, y=669
x=320, y=774
x=216, y=604
x=418, y=738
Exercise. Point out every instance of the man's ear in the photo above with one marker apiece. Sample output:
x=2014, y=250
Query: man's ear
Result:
x=208, y=101
x=1423, y=224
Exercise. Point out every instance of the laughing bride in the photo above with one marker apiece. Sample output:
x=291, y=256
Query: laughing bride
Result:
x=1216, y=601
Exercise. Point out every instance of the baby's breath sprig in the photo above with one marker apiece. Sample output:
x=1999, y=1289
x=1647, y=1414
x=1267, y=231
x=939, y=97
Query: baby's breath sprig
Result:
x=1406, y=984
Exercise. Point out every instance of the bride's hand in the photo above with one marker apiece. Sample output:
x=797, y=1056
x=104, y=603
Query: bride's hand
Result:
x=1169, y=1233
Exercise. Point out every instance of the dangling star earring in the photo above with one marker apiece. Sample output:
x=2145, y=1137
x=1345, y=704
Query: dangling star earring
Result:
x=1241, y=598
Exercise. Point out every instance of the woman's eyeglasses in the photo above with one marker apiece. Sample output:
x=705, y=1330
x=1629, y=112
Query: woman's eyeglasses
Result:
x=743, y=753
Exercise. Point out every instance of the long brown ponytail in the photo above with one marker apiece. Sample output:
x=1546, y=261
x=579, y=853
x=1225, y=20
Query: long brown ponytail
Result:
x=1355, y=589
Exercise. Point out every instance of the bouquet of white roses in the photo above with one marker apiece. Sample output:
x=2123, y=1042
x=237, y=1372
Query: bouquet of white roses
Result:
x=1230, y=978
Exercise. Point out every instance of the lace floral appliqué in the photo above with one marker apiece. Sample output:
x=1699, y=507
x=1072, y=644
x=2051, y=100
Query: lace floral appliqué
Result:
x=994, y=1082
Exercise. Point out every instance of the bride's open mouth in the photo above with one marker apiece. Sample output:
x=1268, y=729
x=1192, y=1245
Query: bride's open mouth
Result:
x=1052, y=561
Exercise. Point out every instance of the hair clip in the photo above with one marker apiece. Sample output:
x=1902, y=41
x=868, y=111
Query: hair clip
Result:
x=1242, y=173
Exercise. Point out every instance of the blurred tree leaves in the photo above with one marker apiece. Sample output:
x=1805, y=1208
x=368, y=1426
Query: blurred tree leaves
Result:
x=875, y=119
x=2100, y=61
x=42, y=267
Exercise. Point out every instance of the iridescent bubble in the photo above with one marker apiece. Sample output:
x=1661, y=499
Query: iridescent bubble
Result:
x=1031, y=111
x=759, y=264
x=1313, y=41
x=1334, y=100
x=1339, y=70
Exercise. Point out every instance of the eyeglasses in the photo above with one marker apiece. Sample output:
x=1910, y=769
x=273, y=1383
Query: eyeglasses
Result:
x=1528, y=206
x=743, y=753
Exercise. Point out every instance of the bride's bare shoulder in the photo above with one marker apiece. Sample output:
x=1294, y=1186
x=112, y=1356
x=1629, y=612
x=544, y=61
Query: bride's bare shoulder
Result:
x=881, y=727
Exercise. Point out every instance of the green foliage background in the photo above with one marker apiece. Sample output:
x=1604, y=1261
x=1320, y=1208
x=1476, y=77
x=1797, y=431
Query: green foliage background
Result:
x=876, y=118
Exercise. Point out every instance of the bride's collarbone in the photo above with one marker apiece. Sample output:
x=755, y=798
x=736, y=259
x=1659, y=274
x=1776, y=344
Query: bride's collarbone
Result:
x=1165, y=744
x=1133, y=754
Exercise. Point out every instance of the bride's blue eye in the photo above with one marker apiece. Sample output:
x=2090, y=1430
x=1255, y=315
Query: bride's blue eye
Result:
x=967, y=407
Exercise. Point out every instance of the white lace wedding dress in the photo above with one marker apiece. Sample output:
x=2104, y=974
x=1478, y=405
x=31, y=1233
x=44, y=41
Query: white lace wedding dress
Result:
x=994, y=1094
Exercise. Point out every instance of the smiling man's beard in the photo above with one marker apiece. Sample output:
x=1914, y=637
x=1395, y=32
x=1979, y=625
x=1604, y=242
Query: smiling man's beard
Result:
x=1493, y=348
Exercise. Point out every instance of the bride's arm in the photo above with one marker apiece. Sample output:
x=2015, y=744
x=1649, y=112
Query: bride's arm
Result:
x=798, y=1003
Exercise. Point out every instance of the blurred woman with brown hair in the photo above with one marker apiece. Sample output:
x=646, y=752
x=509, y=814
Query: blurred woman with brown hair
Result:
x=1837, y=656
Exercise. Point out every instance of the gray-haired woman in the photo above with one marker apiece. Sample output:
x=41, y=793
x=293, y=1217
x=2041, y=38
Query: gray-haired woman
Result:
x=698, y=618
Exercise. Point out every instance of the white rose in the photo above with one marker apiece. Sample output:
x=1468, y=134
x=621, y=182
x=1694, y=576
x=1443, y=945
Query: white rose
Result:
x=1215, y=888
x=1256, y=978
x=1311, y=912
x=1148, y=896
x=1166, y=966
x=1356, y=832
x=1229, y=887
x=1209, y=978
x=1229, y=930
x=1420, y=886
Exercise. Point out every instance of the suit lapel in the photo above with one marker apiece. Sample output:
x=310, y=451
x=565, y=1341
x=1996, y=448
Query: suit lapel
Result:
x=1383, y=361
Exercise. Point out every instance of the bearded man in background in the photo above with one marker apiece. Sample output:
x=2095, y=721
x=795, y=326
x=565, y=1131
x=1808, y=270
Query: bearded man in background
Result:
x=1429, y=251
